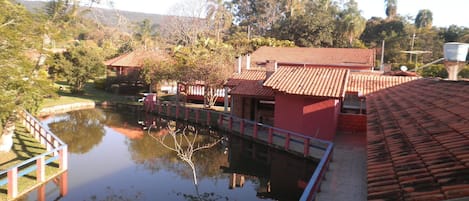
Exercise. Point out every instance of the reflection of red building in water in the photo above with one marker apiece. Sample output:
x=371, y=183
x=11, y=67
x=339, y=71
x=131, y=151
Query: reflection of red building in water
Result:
x=249, y=160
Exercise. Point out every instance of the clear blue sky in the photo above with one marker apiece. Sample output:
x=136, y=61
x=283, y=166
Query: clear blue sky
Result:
x=445, y=12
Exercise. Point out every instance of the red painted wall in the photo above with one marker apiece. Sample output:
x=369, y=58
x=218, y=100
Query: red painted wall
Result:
x=352, y=123
x=309, y=116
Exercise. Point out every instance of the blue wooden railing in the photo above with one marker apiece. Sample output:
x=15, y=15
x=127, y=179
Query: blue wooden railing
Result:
x=56, y=151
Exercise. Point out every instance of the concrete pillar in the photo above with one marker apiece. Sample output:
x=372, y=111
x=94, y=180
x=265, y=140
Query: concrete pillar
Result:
x=248, y=61
x=453, y=68
x=226, y=99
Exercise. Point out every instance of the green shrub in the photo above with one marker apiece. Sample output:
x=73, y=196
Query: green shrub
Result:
x=100, y=83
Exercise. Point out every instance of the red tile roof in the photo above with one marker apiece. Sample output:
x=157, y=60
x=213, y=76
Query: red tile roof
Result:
x=249, y=83
x=367, y=83
x=418, y=141
x=319, y=82
x=135, y=58
x=318, y=56
x=246, y=75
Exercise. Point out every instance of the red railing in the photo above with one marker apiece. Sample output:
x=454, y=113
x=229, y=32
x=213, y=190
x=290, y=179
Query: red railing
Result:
x=276, y=137
x=56, y=151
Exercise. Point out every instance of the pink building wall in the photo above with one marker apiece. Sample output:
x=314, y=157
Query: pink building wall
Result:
x=314, y=117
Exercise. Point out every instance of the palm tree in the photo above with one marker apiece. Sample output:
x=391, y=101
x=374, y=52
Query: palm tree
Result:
x=352, y=23
x=424, y=19
x=391, y=8
x=218, y=16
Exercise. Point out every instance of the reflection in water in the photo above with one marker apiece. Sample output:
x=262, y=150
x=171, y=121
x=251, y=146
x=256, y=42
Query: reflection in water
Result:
x=115, y=165
x=81, y=130
x=280, y=175
x=184, y=143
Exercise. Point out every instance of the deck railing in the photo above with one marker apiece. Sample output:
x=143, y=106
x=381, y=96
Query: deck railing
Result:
x=276, y=137
x=56, y=151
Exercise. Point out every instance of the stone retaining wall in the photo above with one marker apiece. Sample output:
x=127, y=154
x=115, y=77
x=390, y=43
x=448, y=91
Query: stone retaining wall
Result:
x=65, y=108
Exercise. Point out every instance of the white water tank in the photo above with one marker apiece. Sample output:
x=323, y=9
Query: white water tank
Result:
x=455, y=51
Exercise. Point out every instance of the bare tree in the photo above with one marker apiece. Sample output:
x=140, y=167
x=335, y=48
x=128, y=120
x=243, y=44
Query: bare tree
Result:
x=183, y=143
x=186, y=22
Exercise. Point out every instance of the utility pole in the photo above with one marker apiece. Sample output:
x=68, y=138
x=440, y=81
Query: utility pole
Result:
x=412, y=47
x=381, y=68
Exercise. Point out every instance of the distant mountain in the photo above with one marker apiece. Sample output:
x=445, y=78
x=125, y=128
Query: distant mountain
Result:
x=108, y=17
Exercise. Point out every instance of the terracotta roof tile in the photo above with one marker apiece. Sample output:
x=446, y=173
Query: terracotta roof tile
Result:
x=249, y=83
x=320, y=82
x=321, y=56
x=367, y=83
x=417, y=143
x=252, y=88
x=246, y=75
x=135, y=58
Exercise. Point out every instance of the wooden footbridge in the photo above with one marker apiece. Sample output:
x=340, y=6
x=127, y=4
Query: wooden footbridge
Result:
x=34, y=172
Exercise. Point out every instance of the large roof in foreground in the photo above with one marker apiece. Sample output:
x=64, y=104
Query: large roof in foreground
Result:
x=418, y=141
x=316, y=56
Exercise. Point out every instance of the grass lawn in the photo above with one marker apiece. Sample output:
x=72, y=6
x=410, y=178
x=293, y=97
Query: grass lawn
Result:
x=91, y=94
x=24, y=147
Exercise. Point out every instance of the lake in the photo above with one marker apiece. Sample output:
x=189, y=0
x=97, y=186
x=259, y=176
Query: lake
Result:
x=112, y=157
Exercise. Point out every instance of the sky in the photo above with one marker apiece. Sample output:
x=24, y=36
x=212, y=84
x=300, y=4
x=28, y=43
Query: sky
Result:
x=445, y=12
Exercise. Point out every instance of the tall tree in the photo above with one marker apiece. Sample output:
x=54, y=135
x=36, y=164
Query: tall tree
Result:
x=391, y=8
x=258, y=15
x=218, y=17
x=78, y=64
x=315, y=28
x=424, y=19
x=24, y=84
x=393, y=32
x=145, y=34
x=351, y=23
x=207, y=61
x=186, y=24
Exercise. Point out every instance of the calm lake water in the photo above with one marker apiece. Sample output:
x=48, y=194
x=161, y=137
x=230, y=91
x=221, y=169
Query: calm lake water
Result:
x=112, y=158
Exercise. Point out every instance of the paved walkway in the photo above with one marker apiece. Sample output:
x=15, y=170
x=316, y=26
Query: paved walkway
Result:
x=346, y=178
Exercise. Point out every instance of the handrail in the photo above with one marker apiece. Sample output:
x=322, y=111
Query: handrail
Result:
x=313, y=185
x=32, y=159
x=279, y=129
x=55, y=148
x=47, y=130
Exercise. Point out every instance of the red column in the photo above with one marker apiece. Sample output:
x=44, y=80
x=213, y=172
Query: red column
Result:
x=255, y=131
x=41, y=170
x=41, y=193
x=63, y=185
x=13, y=183
x=241, y=127
x=270, y=136
x=63, y=158
x=306, y=147
x=208, y=117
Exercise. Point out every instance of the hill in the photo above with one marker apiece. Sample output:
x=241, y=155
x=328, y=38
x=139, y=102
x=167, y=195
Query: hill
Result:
x=108, y=17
